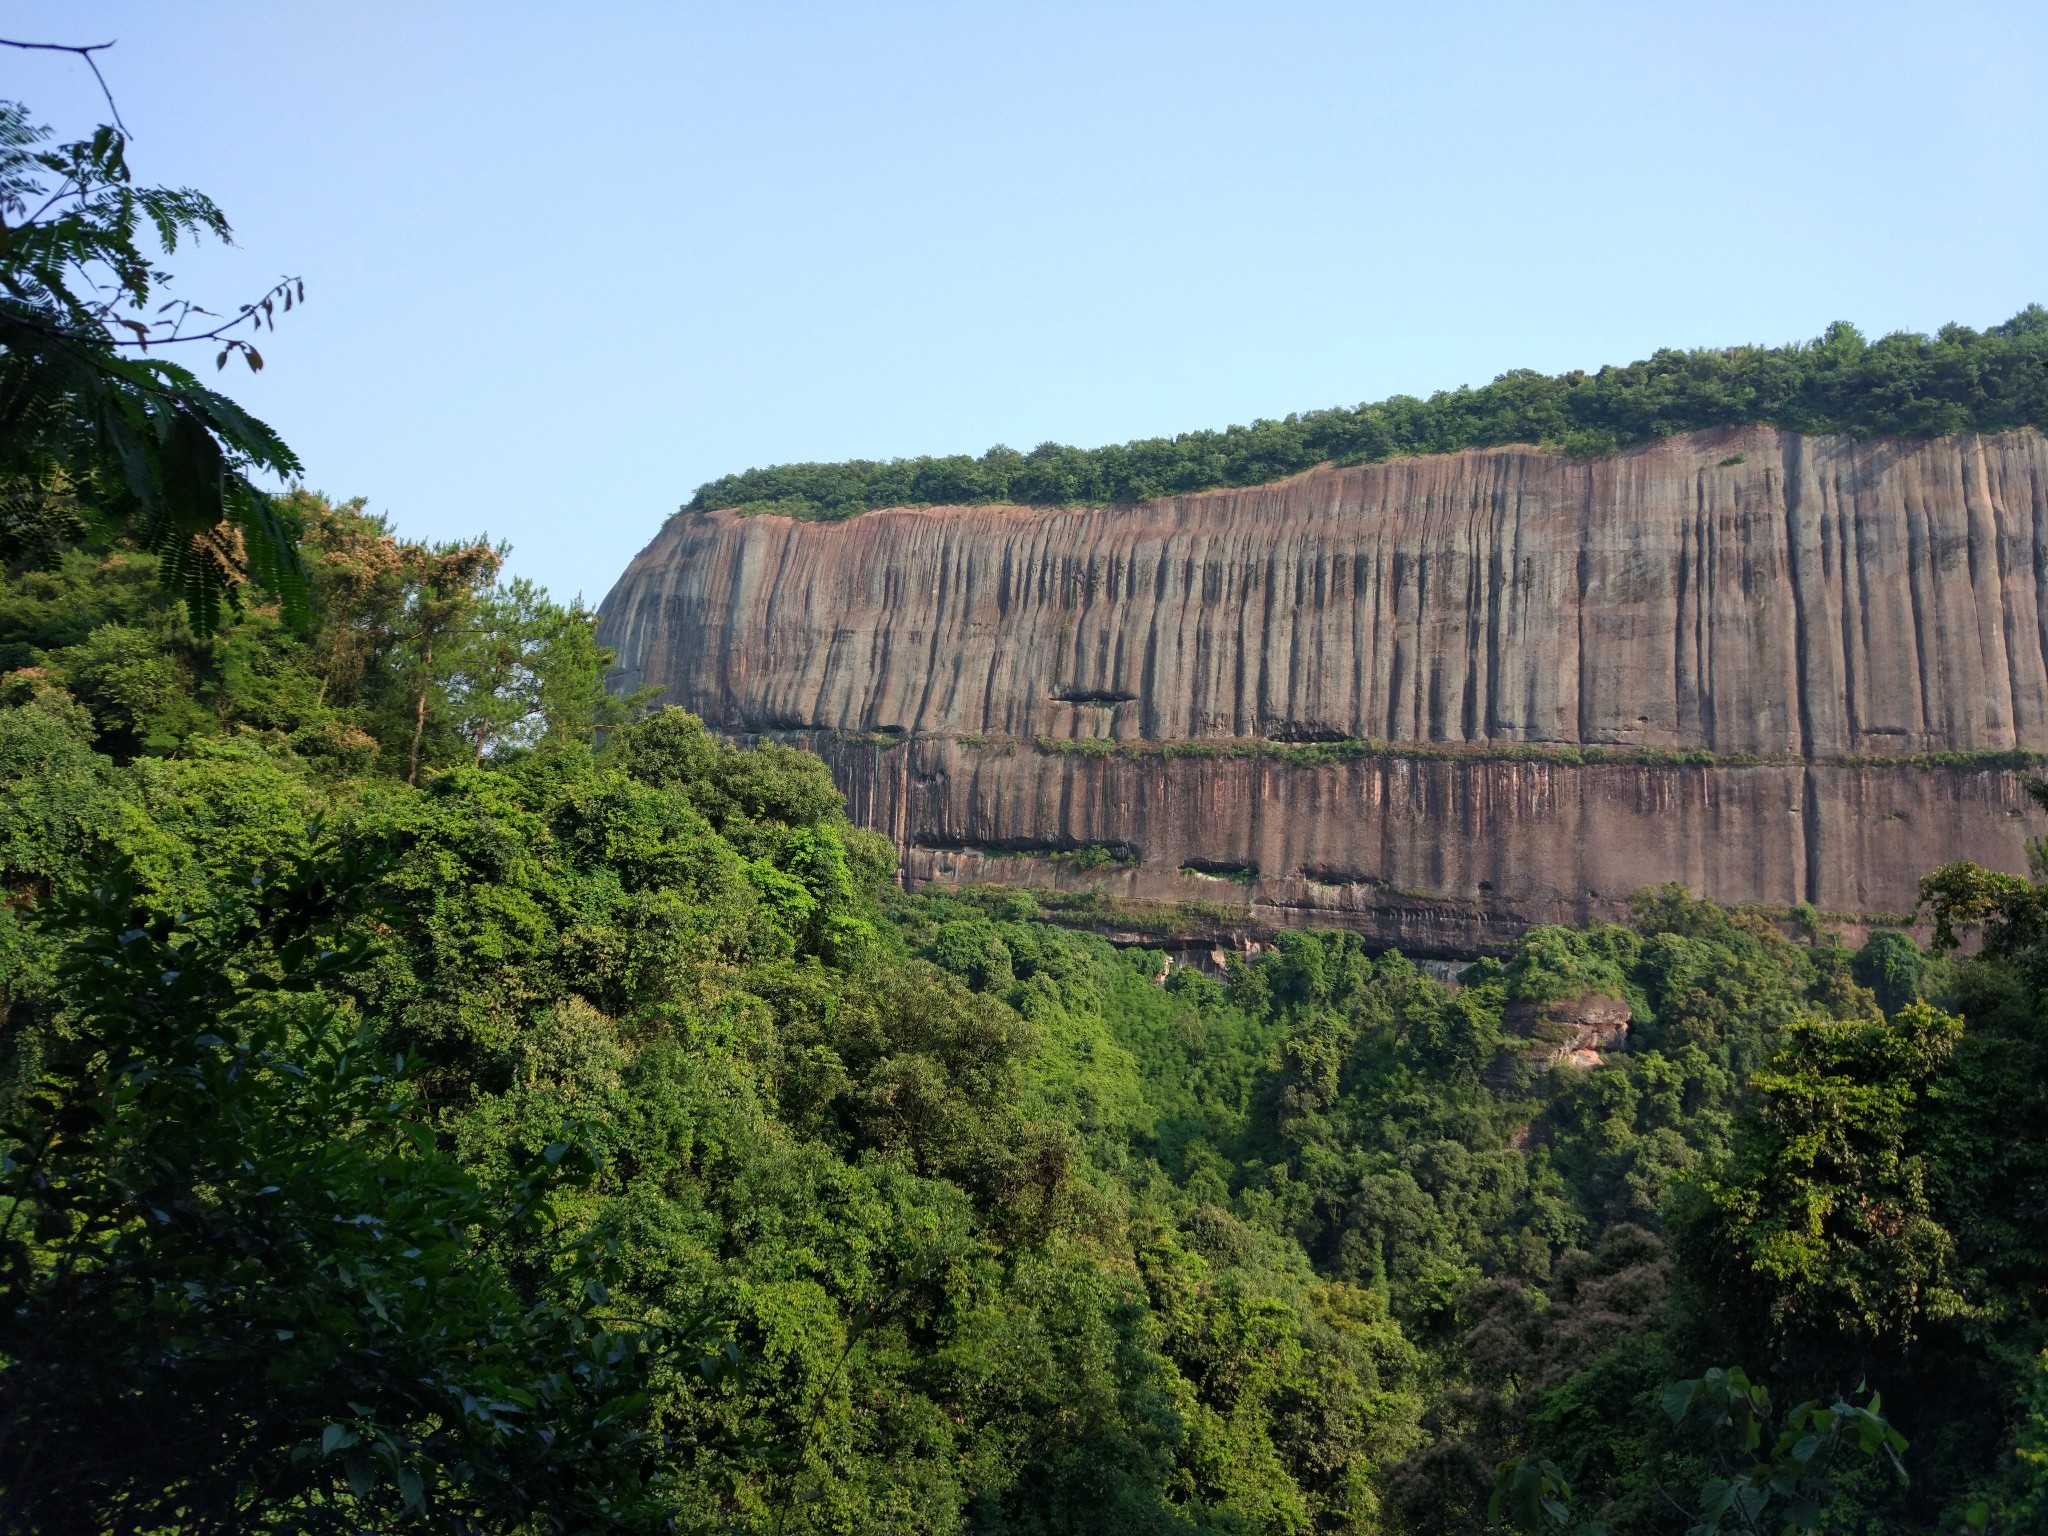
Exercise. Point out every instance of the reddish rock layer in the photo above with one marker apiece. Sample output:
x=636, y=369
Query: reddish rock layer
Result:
x=1818, y=602
x=1440, y=857
x=1822, y=596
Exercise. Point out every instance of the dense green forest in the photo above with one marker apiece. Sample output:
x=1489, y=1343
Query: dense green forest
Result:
x=437, y=1095
x=586, y=1134
x=1960, y=380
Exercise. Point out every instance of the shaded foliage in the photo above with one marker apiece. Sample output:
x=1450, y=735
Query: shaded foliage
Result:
x=240, y=1285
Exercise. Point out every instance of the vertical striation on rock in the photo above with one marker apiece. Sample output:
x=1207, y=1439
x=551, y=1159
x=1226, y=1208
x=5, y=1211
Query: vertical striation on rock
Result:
x=1819, y=604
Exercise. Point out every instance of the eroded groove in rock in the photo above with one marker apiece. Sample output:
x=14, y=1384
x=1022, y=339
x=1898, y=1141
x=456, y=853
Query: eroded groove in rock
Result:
x=1814, y=602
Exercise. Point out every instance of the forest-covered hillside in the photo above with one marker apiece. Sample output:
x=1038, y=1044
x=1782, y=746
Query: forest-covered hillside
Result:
x=1903, y=385
x=436, y=1095
x=587, y=1133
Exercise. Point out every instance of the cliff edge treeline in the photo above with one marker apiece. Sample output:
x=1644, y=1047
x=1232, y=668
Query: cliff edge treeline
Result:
x=1902, y=385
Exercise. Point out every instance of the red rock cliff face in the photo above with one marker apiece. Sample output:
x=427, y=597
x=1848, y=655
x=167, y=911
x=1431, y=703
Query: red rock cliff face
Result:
x=1818, y=604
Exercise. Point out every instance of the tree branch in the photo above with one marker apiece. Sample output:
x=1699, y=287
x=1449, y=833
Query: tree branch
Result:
x=1659, y=1486
x=255, y=314
x=85, y=51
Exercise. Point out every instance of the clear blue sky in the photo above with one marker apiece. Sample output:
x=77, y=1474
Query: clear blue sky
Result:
x=566, y=262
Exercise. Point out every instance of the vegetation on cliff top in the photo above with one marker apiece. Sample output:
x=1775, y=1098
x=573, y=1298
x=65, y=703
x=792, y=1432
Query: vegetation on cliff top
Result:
x=1903, y=385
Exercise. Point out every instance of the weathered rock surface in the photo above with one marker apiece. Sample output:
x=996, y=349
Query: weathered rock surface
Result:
x=1442, y=857
x=1571, y=1030
x=1820, y=604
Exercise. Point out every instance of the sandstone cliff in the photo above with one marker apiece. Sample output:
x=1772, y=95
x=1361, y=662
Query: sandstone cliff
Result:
x=1806, y=607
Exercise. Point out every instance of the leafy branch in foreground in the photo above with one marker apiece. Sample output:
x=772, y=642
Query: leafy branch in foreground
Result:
x=95, y=441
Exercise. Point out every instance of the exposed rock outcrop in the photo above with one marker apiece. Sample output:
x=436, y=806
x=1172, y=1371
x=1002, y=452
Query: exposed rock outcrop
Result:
x=1574, y=1031
x=1790, y=611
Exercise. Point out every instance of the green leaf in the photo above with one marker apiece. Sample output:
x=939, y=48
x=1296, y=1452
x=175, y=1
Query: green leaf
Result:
x=1678, y=1399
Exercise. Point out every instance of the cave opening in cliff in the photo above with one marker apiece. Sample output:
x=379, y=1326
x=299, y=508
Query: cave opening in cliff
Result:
x=1101, y=697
